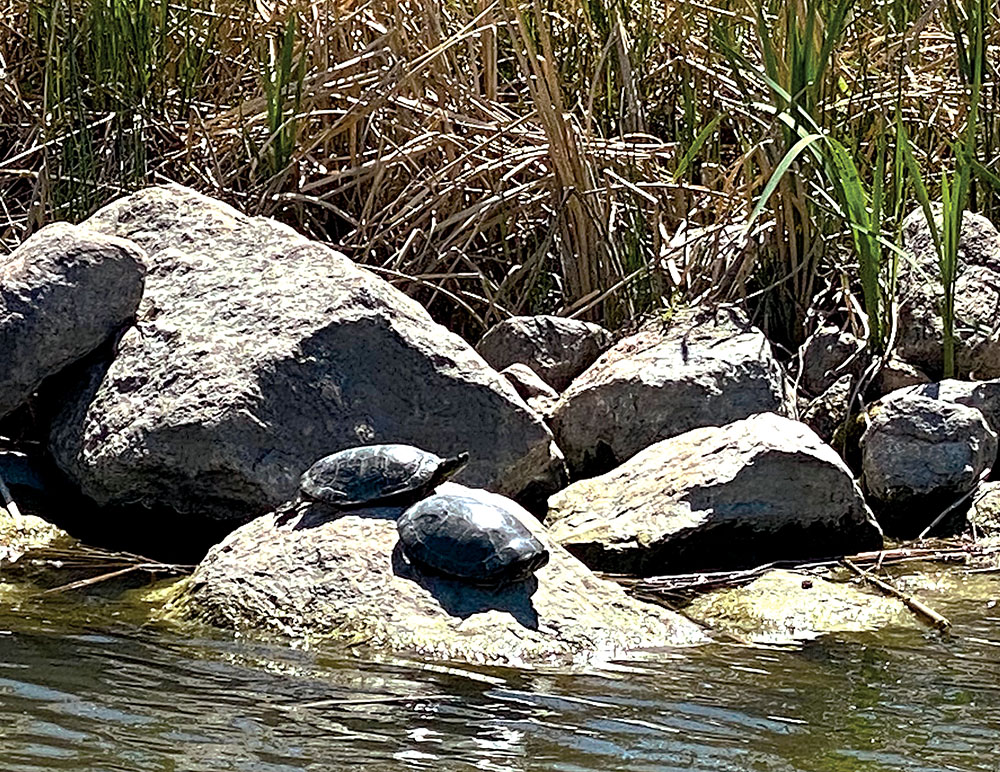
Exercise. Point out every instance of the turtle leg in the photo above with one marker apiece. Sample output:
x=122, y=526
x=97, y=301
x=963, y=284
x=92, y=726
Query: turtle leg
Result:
x=287, y=511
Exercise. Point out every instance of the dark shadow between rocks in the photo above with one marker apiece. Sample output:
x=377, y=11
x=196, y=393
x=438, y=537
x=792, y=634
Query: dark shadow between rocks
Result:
x=160, y=534
x=462, y=600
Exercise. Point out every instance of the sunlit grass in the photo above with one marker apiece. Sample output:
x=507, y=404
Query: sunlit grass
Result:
x=518, y=155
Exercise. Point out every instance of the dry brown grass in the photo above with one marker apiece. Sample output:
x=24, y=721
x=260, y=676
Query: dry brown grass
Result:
x=492, y=157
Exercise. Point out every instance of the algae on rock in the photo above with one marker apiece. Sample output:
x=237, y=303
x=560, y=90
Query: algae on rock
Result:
x=787, y=606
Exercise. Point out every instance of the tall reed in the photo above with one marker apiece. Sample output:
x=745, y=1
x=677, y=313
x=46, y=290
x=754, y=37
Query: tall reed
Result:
x=510, y=156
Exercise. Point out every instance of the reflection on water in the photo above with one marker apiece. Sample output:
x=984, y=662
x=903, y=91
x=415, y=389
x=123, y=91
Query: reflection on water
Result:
x=82, y=688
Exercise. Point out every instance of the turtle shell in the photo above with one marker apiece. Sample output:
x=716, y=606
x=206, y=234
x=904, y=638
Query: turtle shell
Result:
x=469, y=539
x=376, y=475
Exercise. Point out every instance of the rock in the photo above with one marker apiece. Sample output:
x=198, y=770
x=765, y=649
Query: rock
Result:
x=557, y=349
x=700, y=369
x=23, y=533
x=827, y=356
x=977, y=298
x=897, y=374
x=787, y=606
x=537, y=393
x=827, y=413
x=984, y=515
x=761, y=489
x=982, y=395
x=345, y=579
x=63, y=292
x=257, y=352
x=920, y=455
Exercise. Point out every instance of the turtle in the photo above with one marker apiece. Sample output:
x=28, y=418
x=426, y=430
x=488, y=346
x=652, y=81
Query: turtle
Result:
x=470, y=539
x=372, y=476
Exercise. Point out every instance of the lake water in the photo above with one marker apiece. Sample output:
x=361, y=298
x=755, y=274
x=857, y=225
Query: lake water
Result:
x=85, y=686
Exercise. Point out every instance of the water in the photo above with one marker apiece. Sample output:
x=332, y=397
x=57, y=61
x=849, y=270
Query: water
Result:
x=84, y=686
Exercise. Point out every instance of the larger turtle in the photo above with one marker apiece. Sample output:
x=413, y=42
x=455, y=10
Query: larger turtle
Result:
x=372, y=476
x=466, y=538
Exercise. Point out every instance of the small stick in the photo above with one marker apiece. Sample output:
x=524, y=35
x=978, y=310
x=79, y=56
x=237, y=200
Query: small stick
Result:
x=917, y=607
x=92, y=580
x=8, y=500
x=961, y=499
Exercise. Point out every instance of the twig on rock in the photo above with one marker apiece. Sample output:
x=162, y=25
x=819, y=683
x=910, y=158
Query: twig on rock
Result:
x=8, y=501
x=951, y=508
x=675, y=586
x=918, y=607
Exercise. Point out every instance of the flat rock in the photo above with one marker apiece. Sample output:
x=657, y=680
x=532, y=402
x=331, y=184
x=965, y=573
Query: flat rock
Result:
x=63, y=292
x=977, y=298
x=557, y=349
x=761, y=489
x=24, y=533
x=345, y=579
x=788, y=606
x=920, y=455
x=258, y=351
x=700, y=368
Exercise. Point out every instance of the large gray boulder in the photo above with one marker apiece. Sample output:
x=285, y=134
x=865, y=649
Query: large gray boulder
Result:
x=700, y=368
x=345, y=579
x=63, y=292
x=258, y=351
x=557, y=349
x=920, y=456
x=977, y=298
x=761, y=489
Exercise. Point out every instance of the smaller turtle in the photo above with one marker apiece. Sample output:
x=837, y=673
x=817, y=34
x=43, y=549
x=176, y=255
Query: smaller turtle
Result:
x=372, y=476
x=469, y=539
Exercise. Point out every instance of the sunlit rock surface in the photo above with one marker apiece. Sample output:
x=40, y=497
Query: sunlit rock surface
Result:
x=346, y=580
x=977, y=298
x=786, y=606
x=557, y=349
x=761, y=489
x=695, y=369
x=258, y=351
x=63, y=292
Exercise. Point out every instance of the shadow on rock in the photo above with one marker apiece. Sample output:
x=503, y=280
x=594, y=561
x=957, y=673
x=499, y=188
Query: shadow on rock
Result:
x=314, y=514
x=462, y=600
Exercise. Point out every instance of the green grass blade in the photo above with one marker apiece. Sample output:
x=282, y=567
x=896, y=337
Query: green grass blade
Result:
x=779, y=172
x=696, y=146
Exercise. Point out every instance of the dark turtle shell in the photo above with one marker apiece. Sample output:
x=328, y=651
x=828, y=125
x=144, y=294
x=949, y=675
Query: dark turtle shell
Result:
x=469, y=539
x=376, y=475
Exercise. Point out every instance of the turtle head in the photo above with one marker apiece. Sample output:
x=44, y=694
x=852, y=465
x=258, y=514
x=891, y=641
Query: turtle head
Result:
x=450, y=466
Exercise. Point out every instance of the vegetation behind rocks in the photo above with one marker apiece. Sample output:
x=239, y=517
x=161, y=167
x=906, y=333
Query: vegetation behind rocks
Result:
x=590, y=158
